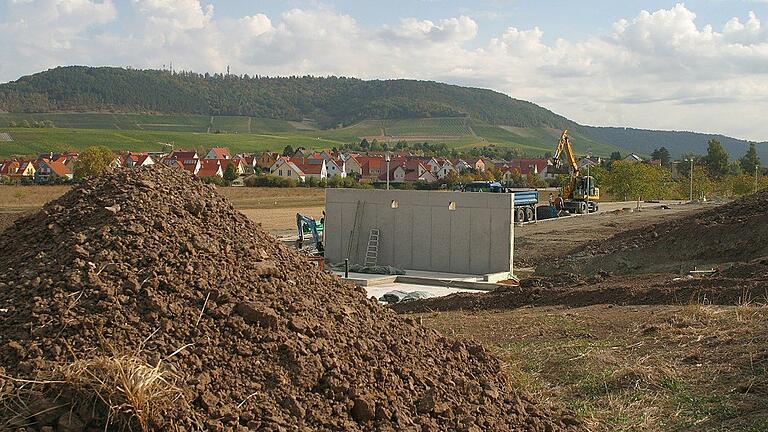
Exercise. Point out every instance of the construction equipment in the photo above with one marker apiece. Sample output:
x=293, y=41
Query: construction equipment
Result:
x=580, y=195
x=306, y=224
x=525, y=200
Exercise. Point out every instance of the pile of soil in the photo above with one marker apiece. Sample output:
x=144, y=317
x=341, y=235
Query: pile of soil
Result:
x=154, y=265
x=732, y=233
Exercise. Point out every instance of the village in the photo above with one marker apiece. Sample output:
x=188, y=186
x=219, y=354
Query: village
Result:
x=315, y=168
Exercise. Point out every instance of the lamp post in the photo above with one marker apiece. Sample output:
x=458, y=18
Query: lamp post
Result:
x=690, y=197
x=387, y=158
x=589, y=180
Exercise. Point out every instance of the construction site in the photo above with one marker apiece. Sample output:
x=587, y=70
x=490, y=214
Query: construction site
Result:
x=142, y=299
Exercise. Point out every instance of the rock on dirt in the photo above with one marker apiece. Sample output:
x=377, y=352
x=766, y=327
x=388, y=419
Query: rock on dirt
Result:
x=153, y=264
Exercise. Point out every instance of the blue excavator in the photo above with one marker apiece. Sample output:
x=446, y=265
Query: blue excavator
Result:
x=307, y=225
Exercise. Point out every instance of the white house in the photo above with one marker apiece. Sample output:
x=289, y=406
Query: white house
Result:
x=335, y=168
x=461, y=165
x=445, y=169
x=314, y=168
x=287, y=169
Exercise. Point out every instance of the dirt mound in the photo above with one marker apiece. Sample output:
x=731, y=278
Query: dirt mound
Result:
x=731, y=233
x=7, y=218
x=145, y=296
x=729, y=287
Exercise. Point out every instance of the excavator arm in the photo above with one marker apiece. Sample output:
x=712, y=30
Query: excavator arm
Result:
x=564, y=146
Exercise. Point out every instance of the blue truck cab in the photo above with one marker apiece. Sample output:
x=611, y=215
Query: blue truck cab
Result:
x=525, y=199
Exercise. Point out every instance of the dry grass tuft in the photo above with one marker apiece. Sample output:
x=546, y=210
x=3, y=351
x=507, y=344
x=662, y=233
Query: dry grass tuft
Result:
x=134, y=394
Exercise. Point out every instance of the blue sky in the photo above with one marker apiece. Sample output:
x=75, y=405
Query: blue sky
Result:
x=700, y=65
x=558, y=18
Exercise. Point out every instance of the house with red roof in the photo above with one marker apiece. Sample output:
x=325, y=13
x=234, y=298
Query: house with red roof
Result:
x=352, y=165
x=17, y=171
x=372, y=166
x=218, y=153
x=267, y=159
x=210, y=168
x=286, y=169
x=187, y=160
x=136, y=160
x=540, y=167
x=237, y=164
x=314, y=168
x=49, y=171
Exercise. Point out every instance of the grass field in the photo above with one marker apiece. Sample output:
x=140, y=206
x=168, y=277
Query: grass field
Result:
x=33, y=197
x=273, y=208
x=143, y=132
x=624, y=368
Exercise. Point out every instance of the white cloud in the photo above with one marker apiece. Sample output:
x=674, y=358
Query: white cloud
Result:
x=656, y=69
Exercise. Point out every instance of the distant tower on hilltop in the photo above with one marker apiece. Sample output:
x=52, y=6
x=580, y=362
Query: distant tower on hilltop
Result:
x=227, y=69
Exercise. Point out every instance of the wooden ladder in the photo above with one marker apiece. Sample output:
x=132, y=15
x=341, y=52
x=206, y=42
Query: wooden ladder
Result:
x=372, y=252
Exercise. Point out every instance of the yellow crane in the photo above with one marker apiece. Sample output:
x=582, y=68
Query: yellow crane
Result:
x=580, y=195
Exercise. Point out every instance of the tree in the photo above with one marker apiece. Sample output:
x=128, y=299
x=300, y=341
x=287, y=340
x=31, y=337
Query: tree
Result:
x=661, y=154
x=92, y=161
x=230, y=174
x=750, y=161
x=716, y=159
x=631, y=180
x=615, y=156
x=288, y=151
x=12, y=124
x=452, y=179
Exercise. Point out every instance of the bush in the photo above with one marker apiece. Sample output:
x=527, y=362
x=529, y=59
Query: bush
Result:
x=268, y=180
x=215, y=180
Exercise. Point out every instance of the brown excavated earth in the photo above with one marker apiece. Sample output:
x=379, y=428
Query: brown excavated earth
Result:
x=647, y=266
x=732, y=233
x=155, y=266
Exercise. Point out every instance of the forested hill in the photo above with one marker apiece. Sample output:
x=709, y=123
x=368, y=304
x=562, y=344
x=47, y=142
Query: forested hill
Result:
x=331, y=101
x=679, y=143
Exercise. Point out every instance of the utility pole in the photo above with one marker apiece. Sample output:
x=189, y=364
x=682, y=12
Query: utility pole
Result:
x=589, y=180
x=756, y=169
x=691, y=193
x=387, y=158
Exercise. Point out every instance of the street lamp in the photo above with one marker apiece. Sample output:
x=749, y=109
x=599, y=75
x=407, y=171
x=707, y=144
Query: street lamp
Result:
x=589, y=162
x=690, y=198
x=387, y=158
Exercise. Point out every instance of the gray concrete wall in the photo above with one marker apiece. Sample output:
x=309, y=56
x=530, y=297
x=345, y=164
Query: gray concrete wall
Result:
x=422, y=233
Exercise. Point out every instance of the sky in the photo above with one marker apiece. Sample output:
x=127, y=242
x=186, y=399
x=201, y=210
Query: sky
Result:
x=701, y=65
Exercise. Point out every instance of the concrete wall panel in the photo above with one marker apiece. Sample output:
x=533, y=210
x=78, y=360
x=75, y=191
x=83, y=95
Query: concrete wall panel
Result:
x=460, y=240
x=422, y=238
x=480, y=230
x=422, y=233
x=403, y=238
x=441, y=240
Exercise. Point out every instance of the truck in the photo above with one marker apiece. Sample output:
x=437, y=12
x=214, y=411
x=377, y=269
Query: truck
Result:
x=525, y=200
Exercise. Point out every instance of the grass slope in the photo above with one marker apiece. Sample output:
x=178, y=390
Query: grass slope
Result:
x=144, y=132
